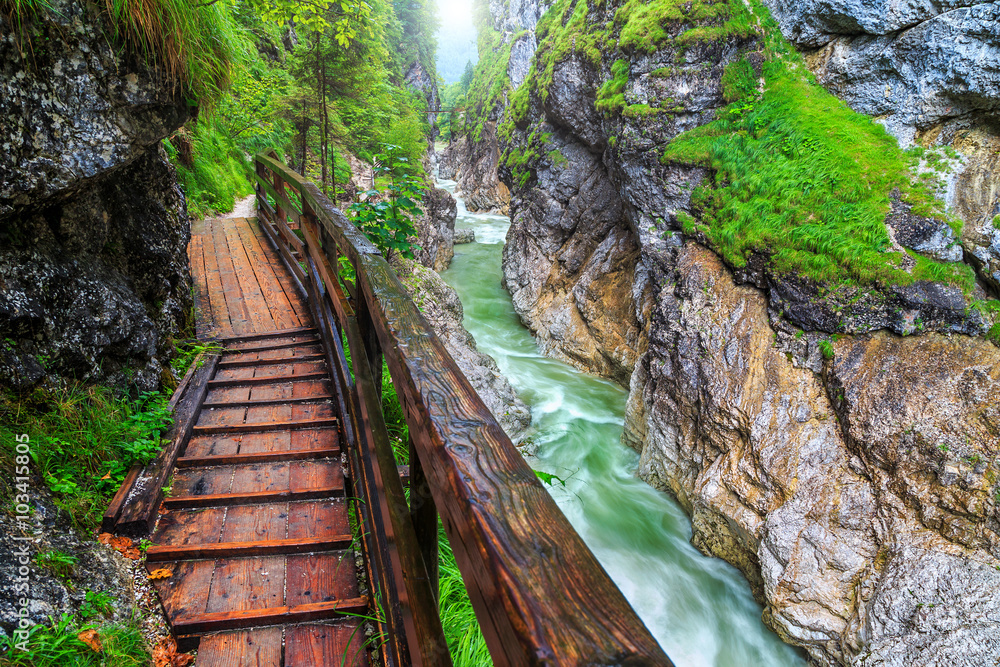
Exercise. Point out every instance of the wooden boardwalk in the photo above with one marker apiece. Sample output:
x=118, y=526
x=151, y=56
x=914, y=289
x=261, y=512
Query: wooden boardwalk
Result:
x=255, y=533
x=287, y=520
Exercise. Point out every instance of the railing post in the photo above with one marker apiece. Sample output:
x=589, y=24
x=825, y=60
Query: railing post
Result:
x=424, y=515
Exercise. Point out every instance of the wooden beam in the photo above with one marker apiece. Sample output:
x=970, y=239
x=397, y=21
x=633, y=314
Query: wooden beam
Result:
x=211, y=405
x=234, y=620
x=158, y=554
x=245, y=363
x=251, y=498
x=216, y=429
x=259, y=457
x=277, y=379
x=141, y=507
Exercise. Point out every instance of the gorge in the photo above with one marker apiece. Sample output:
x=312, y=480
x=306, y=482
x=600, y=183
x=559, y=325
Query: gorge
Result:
x=823, y=407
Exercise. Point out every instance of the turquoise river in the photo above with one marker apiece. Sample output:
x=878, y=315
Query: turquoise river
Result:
x=700, y=609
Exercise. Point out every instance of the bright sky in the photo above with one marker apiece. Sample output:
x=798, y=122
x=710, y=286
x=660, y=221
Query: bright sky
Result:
x=456, y=38
x=455, y=15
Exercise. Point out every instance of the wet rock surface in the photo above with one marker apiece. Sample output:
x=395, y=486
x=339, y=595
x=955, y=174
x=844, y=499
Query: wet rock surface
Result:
x=98, y=568
x=474, y=166
x=93, y=268
x=440, y=304
x=826, y=489
x=436, y=230
x=836, y=443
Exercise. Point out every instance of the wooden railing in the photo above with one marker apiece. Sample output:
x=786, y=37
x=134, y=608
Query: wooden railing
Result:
x=539, y=593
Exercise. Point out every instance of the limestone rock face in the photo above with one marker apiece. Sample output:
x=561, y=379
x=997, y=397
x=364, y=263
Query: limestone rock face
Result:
x=826, y=489
x=474, y=166
x=858, y=492
x=440, y=304
x=436, y=230
x=569, y=264
x=94, y=278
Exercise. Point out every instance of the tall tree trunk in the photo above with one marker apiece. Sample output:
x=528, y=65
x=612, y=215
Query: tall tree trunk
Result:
x=325, y=148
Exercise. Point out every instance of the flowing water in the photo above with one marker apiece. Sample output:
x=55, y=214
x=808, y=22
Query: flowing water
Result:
x=700, y=609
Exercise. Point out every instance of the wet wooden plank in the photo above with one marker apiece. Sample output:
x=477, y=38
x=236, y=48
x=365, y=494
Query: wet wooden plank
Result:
x=314, y=439
x=305, y=341
x=241, y=584
x=322, y=577
x=253, y=298
x=220, y=417
x=204, y=317
x=316, y=518
x=220, y=310
x=212, y=445
x=262, y=477
x=306, y=475
x=201, y=482
x=255, y=523
x=215, y=622
x=257, y=427
x=286, y=400
x=252, y=338
x=231, y=291
x=340, y=645
x=218, y=550
x=183, y=527
x=260, y=647
x=214, y=384
x=256, y=497
x=185, y=592
x=282, y=311
x=257, y=457
x=275, y=442
x=254, y=359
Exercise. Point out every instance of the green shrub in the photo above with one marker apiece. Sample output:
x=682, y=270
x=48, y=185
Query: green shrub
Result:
x=800, y=175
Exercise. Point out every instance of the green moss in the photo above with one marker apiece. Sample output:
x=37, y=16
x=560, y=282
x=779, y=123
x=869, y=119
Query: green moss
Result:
x=564, y=30
x=557, y=158
x=611, y=95
x=826, y=349
x=798, y=174
x=490, y=81
x=996, y=222
x=993, y=335
x=646, y=25
x=642, y=111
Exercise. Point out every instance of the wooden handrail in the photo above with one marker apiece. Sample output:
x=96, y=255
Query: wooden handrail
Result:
x=540, y=595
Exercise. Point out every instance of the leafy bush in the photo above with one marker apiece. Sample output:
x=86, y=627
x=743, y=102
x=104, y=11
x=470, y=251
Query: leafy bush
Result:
x=386, y=217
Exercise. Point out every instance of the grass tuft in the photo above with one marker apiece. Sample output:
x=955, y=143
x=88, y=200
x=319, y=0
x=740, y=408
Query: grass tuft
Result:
x=799, y=175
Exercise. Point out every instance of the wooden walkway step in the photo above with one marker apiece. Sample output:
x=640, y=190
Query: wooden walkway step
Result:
x=231, y=620
x=262, y=402
x=255, y=533
x=156, y=554
x=256, y=363
x=255, y=457
x=274, y=379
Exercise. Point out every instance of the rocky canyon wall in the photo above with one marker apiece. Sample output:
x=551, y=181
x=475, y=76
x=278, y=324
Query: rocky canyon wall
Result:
x=94, y=277
x=838, y=442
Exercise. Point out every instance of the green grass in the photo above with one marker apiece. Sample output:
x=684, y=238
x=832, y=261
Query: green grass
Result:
x=798, y=175
x=461, y=629
x=58, y=563
x=58, y=645
x=85, y=438
x=195, y=44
